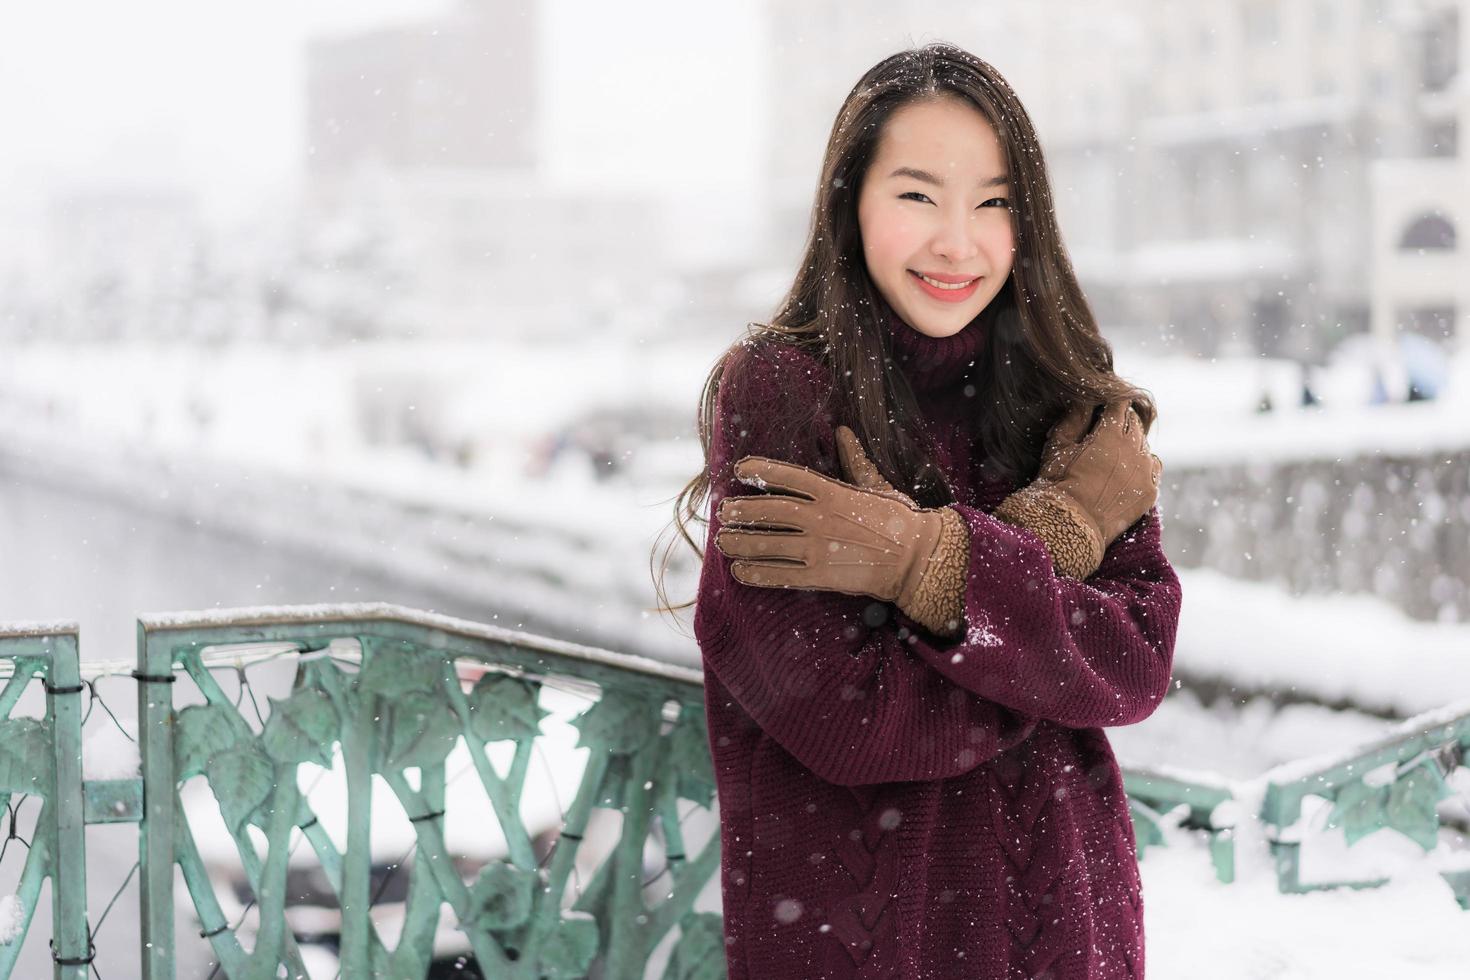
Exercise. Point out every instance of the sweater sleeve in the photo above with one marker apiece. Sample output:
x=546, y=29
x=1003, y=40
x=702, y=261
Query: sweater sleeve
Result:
x=828, y=676
x=1084, y=654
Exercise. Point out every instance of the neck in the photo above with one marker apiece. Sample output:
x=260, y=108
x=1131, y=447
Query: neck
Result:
x=933, y=363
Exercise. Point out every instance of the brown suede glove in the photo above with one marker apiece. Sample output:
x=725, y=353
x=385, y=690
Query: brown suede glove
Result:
x=820, y=533
x=1092, y=486
x=939, y=601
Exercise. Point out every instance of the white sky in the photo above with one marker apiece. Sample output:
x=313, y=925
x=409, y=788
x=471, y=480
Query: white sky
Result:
x=211, y=94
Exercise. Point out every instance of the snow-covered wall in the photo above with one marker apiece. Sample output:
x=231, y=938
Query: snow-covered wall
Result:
x=1395, y=524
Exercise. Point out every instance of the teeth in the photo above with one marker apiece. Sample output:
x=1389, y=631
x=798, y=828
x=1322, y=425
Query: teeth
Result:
x=946, y=285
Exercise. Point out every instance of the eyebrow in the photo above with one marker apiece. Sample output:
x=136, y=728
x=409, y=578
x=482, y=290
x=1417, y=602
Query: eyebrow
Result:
x=928, y=178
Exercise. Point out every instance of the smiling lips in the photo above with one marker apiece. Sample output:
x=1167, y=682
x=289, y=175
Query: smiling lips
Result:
x=949, y=289
x=941, y=277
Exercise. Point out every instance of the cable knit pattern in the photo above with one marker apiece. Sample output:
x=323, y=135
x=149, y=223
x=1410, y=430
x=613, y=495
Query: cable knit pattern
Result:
x=1075, y=547
x=939, y=601
x=899, y=804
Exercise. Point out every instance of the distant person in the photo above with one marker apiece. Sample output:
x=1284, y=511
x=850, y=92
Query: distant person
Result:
x=914, y=639
x=1378, y=395
x=1309, y=397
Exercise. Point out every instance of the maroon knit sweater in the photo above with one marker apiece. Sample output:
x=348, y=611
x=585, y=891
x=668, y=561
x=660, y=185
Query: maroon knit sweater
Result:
x=898, y=805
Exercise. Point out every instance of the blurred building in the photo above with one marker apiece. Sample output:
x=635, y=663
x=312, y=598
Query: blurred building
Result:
x=121, y=262
x=1290, y=148
x=1262, y=175
x=1421, y=201
x=451, y=93
x=423, y=147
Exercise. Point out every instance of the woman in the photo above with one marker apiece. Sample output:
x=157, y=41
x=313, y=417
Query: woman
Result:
x=911, y=649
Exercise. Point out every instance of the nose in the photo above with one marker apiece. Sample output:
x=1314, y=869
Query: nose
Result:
x=956, y=239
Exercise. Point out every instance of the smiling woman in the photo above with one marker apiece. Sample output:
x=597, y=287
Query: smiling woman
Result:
x=933, y=572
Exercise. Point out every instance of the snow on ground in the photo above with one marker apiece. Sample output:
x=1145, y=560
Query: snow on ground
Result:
x=107, y=753
x=1208, y=417
x=316, y=405
x=1355, y=648
x=1197, y=927
x=1238, y=741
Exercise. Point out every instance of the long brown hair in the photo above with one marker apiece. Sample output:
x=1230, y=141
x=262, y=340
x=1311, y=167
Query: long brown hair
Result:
x=1042, y=349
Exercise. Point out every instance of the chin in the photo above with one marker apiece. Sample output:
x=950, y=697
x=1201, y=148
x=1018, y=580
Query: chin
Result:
x=941, y=330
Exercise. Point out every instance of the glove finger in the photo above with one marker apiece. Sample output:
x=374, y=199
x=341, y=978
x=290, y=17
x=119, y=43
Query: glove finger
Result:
x=1139, y=417
x=1073, y=425
x=898, y=495
x=761, y=545
x=775, y=474
x=772, y=576
x=1158, y=468
x=856, y=465
x=1135, y=428
x=1065, y=441
x=771, y=511
x=1114, y=416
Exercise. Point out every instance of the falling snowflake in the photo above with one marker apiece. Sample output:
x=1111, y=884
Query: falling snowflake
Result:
x=788, y=910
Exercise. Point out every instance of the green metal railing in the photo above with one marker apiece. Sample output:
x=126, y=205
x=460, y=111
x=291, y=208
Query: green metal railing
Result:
x=1395, y=782
x=387, y=686
x=406, y=709
x=42, y=758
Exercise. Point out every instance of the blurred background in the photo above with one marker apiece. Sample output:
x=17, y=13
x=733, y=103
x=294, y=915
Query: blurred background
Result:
x=468, y=264
x=413, y=301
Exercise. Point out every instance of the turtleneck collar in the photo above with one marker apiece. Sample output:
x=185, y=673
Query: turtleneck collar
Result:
x=928, y=362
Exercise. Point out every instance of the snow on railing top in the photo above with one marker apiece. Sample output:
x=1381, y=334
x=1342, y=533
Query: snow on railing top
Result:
x=365, y=612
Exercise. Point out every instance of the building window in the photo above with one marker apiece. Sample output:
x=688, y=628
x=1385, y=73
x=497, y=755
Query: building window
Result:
x=1437, y=322
x=1428, y=232
x=1442, y=139
x=1441, y=52
x=1260, y=25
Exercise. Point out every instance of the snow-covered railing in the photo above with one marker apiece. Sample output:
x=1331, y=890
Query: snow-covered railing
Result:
x=1209, y=800
x=1395, y=783
x=367, y=730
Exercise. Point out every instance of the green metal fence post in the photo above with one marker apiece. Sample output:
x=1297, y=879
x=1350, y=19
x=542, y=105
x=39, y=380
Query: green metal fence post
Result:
x=71, y=947
x=156, y=837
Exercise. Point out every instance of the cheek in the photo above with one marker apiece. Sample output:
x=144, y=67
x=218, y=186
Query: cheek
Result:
x=1000, y=246
x=888, y=236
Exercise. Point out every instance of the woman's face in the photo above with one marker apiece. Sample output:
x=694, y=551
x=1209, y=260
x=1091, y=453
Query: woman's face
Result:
x=934, y=201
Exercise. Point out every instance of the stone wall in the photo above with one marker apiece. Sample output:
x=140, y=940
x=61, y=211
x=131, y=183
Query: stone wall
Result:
x=1397, y=527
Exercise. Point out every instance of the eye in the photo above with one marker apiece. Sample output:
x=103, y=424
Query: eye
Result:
x=994, y=201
